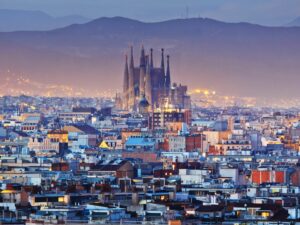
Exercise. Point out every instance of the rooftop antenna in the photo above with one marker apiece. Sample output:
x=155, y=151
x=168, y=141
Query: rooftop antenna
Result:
x=187, y=12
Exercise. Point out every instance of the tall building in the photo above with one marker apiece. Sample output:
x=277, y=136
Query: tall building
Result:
x=150, y=83
x=159, y=118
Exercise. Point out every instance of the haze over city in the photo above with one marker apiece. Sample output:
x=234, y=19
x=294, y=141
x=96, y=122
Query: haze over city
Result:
x=219, y=53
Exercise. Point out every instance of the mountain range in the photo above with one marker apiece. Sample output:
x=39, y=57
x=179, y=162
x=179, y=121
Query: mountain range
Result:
x=235, y=59
x=26, y=20
x=294, y=23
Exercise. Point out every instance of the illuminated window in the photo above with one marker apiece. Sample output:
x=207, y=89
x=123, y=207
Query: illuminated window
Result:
x=265, y=214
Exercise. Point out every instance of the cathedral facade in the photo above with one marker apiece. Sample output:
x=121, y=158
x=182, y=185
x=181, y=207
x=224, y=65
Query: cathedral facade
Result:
x=148, y=86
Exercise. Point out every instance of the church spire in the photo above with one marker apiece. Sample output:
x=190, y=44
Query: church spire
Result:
x=131, y=88
x=126, y=71
x=131, y=57
x=148, y=66
x=143, y=57
x=148, y=83
x=151, y=57
x=168, y=73
x=126, y=84
x=162, y=61
x=143, y=61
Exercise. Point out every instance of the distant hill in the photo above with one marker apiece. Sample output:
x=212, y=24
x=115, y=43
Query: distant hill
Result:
x=231, y=58
x=22, y=20
x=294, y=23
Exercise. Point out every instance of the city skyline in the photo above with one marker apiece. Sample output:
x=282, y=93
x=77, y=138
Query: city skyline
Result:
x=165, y=112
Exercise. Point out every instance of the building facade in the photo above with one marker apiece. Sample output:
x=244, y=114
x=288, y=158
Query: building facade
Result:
x=150, y=83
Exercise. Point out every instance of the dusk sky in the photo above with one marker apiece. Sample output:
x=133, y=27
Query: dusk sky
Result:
x=266, y=12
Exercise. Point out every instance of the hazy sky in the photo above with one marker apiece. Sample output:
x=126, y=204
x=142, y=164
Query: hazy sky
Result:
x=267, y=12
